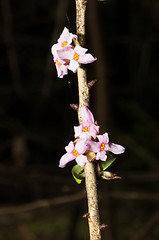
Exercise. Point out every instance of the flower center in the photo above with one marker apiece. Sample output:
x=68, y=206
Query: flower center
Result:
x=58, y=63
x=76, y=57
x=102, y=146
x=75, y=153
x=86, y=129
x=64, y=44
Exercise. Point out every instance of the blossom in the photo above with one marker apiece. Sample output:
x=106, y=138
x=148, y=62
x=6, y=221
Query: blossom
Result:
x=76, y=56
x=75, y=152
x=88, y=128
x=61, y=67
x=103, y=145
x=64, y=40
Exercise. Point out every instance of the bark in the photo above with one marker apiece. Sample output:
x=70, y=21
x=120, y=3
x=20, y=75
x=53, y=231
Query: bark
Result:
x=90, y=178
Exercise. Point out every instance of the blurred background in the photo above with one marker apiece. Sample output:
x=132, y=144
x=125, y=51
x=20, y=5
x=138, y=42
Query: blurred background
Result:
x=38, y=200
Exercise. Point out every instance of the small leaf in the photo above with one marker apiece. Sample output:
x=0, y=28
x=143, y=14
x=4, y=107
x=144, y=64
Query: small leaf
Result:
x=108, y=175
x=105, y=164
x=91, y=83
x=74, y=106
x=78, y=173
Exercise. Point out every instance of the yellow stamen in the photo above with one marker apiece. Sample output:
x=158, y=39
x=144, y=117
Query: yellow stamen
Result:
x=75, y=153
x=86, y=129
x=76, y=57
x=64, y=44
x=102, y=146
x=58, y=63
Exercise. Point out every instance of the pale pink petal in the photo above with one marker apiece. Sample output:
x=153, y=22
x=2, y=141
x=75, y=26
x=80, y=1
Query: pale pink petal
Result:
x=66, y=36
x=70, y=147
x=77, y=131
x=66, y=53
x=87, y=116
x=100, y=138
x=81, y=160
x=61, y=71
x=93, y=146
x=80, y=50
x=81, y=146
x=105, y=138
x=54, y=49
x=87, y=58
x=85, y=135
x=101, y=156
x=73, y=66
x=67, y=157
x=94, y=130
x=116, y=148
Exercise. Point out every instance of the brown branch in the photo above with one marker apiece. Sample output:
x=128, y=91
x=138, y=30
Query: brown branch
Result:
x=90, y=178
x=43, y=203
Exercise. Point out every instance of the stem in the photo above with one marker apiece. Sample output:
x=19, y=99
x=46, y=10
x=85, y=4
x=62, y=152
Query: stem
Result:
x=90, y=178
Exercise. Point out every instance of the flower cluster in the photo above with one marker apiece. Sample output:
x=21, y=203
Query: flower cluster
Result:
x=66, y=56
x=88, y=139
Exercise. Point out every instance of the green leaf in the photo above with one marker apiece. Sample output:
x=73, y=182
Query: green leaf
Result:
x=78, y=173
x=105, y=164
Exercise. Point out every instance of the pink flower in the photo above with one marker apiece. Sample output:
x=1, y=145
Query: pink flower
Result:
x=61, y=67
x=76, y=56
x=64, y=40
x=88, y=128
x=103, y=145
x=66, y=37
x=75, y=152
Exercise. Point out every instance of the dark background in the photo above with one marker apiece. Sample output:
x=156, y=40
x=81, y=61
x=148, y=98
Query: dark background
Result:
x=36, y=121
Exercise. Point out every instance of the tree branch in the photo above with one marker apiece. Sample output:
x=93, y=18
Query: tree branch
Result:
x=90, y=178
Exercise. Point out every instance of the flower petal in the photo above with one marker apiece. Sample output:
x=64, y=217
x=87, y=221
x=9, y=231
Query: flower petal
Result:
x=80, y=50
x=77, y=131
x=81, y=160
x=87, y=58
x=116, y=148
x=67, y=157
x=73, y=66
x=103, y=138
x=94, y=130
x=81, y=146
x=87, y=116
x=66, y=53
x=93, y=146
x=66, y=36
x=101, y=156
x=69, y=148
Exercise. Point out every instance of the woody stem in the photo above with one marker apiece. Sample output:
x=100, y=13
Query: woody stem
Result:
x=90, y=178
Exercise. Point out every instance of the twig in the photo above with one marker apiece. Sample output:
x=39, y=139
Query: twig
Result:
x=43, y=203
x=90, y=178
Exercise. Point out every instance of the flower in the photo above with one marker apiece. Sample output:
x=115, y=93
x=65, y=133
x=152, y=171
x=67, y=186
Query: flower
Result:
x=61, y=67
x=103, y=145
x=76, y=56
x=75, y=152
x=65, y=51
x=88, y=128
x=64, y=40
